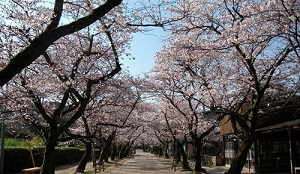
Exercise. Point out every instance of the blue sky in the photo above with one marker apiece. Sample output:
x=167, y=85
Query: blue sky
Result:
x=144, y=47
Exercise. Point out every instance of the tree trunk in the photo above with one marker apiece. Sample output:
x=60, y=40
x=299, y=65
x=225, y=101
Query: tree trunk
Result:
x=185, y=163
x=166, y=155
x=238, y=163
x=106, y=149
x=178, y=155
x=127, y=151
x=123, y=151
x=104, y=154
x=198, y=160
x=108, y=153
x=113, y=153
x=48, y=166
x=160, y=151
x=120, y=151
x=88, y=151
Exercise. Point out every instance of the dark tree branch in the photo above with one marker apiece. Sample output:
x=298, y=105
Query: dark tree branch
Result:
x=39, y=45
x=58, y=9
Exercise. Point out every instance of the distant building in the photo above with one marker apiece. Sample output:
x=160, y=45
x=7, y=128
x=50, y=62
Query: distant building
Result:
x=277, y=149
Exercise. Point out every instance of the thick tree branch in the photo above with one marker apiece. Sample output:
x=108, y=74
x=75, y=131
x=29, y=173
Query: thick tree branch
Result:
x=39, y=45
x=36, y=101
x=58, y=9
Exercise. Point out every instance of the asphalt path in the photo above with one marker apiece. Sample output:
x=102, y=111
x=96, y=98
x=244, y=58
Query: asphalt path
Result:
x=140, y=163
x=143, y=163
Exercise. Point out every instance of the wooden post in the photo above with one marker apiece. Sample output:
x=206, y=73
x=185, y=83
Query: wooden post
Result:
x=33, y=169
x=31, y=154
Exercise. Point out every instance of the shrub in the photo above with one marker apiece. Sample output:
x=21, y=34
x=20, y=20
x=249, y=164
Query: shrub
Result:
x=18, y=158
x=12, y=142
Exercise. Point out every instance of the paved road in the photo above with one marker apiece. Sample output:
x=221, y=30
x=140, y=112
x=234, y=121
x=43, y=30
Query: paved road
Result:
x=143, y=163
x=140, y=163
x=146, y=163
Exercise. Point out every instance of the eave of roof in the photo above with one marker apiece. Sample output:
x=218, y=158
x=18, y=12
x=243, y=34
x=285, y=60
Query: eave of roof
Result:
x=294, y=124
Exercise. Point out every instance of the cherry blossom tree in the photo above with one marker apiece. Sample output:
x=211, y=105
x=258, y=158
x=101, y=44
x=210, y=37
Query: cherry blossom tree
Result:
x=233, y=52
x=43, y=23
x=54, y=93
x=222, y=55
x=179, y=135
x=118, y=96
x=117, y=114
x=147, y=119
x=156, y=129
x=126, y=138
x=187, y=111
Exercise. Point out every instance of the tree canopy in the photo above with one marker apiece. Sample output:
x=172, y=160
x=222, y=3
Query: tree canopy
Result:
x=61, y=70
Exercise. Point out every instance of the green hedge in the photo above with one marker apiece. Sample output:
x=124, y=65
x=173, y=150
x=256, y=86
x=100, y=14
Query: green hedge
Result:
x=16, y=159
